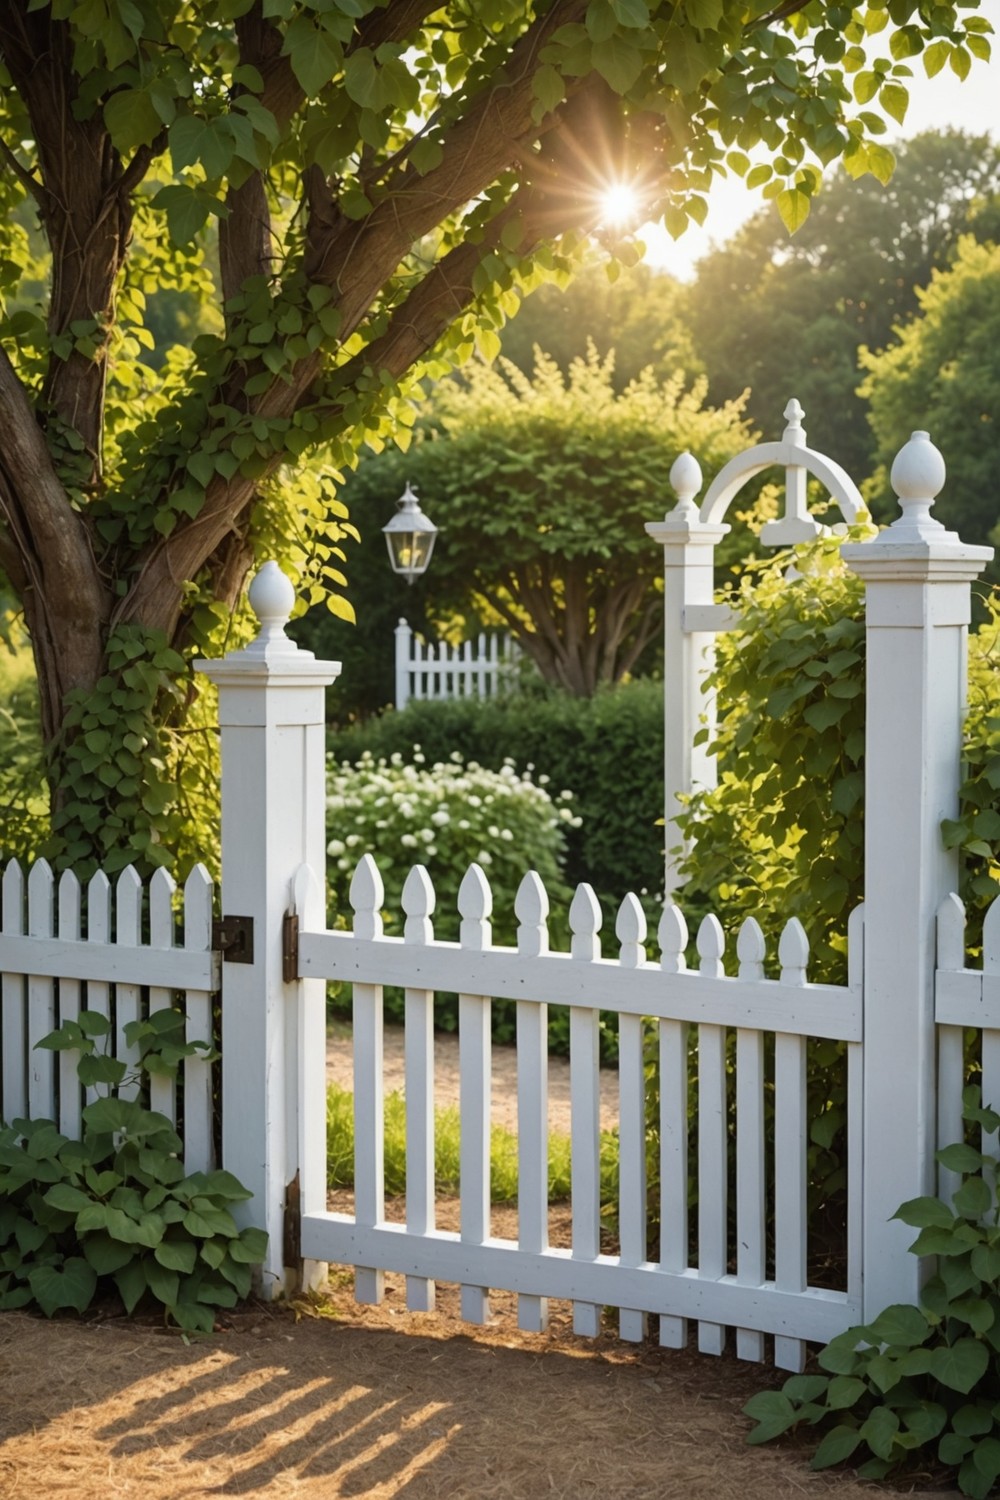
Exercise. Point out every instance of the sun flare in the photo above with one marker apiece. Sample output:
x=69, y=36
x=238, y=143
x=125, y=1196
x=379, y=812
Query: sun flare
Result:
x=620, y=205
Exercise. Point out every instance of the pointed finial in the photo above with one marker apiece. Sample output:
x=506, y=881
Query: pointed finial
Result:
x=418, y=906
x=630, y=930
x=794, y=431
x=918, y=476
x=366, y=896
x=750, y=950
x=685, y=481
x=531, y=907
x=793, y=952
x=672, y=936
x=711, y=945
x=585, y=923
x=475, y=905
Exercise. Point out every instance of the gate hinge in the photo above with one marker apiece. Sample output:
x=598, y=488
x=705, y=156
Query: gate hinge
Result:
x=234, y=936
x=292, y=1225
x=290, y=947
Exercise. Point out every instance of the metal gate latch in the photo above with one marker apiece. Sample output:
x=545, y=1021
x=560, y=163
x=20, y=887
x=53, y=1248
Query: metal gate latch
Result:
x=234, y=936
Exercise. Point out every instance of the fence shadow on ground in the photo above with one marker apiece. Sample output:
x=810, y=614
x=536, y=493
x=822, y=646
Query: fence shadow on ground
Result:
x=376, y=1405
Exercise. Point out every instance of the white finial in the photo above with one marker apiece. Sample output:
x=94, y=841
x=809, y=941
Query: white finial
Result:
x=794, y=431
x=685, y=481
x=672, y=936
x=531, y=907
x=272, y=599
x=585, y=919
x=918, y=476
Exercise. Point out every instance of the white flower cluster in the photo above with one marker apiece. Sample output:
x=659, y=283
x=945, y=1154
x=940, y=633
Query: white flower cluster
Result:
x=451, y=813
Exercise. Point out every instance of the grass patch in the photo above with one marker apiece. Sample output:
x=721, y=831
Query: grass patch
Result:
x=447, y=1138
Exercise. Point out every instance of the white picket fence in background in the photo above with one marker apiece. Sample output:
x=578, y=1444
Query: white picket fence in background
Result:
x=65, y=947
x=472, y=670
x=762, y=1013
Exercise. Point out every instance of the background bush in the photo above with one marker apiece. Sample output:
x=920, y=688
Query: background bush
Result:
x=607, y=750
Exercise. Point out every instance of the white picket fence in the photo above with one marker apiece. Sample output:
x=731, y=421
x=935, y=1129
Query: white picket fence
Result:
x=472, y=670
x=728, y=1285
x=125, y=952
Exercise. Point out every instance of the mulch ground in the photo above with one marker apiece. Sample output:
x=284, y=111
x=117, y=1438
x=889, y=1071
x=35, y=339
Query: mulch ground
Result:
x=309, y=1402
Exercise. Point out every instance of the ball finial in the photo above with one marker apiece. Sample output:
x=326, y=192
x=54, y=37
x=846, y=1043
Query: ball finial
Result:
x=918, y=476
x=272, y=600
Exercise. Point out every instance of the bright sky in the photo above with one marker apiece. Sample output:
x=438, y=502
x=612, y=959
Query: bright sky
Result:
x=935, y=104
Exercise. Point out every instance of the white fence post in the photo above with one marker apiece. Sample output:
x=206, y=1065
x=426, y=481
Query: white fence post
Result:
x=917, y=578
x=688, y=654
x=271, y=715
x=404, y=636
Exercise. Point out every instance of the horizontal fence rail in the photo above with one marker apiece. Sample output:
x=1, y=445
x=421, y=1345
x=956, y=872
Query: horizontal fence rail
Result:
x=123, y=951
x=735, y=1044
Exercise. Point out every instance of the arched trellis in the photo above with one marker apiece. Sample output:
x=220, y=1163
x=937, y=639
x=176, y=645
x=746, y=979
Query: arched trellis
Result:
x=689, y=534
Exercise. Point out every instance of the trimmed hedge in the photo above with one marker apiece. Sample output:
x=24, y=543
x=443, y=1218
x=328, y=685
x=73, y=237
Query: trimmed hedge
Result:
x=607, y=750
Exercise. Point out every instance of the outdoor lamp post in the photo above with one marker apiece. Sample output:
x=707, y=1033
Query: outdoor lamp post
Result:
x=409, y=537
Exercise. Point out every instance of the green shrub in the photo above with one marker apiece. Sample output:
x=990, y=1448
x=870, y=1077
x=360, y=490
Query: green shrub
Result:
x=445, y=816
x=607, y=750
x=918, y=1378
x=116, y=1206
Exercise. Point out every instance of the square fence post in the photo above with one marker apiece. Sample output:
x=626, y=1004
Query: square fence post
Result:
x=918, y=580
x=688, y=652
x=272, y=722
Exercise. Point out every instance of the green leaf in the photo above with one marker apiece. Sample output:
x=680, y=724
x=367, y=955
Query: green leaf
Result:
x=844, y=1391
x=107, y=1255
x=894, y=99
x=131, y=1283
x=619, y=63
x=793, y=206
x=548, y=87
x=162, y=1282
x=132, y=119
x=704, y=15
x=315, y=59
x=206, y=1222
x=960, y=1366
x=899, y=1324
x=72, y=1286
x=250, y=1248
x=64, y=1195
x=176, y=1255
x=881, y=163
x=879, y=1431
x=961, y=1158
x=773, y=1413
x=835, y=1447
x=973, y=1198
x=922, y=1212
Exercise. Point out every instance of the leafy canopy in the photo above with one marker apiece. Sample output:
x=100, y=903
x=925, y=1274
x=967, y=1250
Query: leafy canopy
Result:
x=541, y=488
x=363, y=189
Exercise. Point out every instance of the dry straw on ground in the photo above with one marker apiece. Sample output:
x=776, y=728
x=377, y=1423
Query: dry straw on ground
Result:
x=378, y=1402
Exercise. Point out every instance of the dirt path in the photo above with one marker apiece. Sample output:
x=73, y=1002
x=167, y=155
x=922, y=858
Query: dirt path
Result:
x=282, y=1404
x=339, y=1070
x=378, y=1403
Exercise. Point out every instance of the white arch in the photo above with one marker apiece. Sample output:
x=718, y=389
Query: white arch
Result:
x=799, y=461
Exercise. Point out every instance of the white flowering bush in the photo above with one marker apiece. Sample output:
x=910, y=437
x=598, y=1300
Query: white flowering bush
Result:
x=445, y=816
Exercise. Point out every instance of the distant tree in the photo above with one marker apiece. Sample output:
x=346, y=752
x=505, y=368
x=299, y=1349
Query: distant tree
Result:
x=541, y=488
x=786, y=315
x=942, y=373
x=640, y=315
